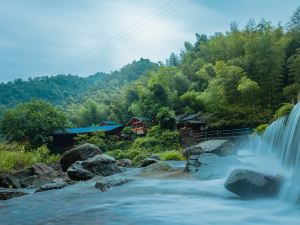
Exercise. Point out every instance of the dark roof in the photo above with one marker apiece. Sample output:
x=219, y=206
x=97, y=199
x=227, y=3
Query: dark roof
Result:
x=198, y=118
x=140, y=118
x=83, y=130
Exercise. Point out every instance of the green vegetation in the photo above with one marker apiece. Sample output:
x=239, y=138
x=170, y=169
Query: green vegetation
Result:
x=31, y=123
x=260, y=129
x=157, y=142
x=172, y=155
x=284, y=110
x=14, y=156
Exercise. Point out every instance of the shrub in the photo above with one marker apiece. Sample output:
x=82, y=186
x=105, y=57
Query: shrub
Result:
x=260, y=129
x=15, y=157
x=284, y=110
x=172, y=155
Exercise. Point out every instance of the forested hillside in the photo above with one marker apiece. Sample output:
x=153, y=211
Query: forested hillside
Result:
x=239, y=77
x=61, y=89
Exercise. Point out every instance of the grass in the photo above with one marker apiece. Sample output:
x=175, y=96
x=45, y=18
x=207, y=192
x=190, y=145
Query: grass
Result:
x=15, y=157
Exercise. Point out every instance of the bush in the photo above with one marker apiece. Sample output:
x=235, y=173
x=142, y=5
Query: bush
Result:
x=172, y=155
x=15, y=157
x=260, y=129
x=284, y=110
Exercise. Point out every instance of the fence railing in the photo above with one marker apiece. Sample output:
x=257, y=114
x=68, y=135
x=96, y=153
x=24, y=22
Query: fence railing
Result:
x=218, y=134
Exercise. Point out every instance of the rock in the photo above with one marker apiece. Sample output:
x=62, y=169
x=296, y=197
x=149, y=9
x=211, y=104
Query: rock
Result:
x=106, y=184
x=103, y=165
x=156, y=168
x=211, y=166
x=218, y=147
x=192, y=164
x=55, y=184
x=193, y=150
x=76, y=172
x=42, y=169
x=250, y=184
x=124, y=163
x=147, y=162
x=9, y=181
x=79, y=153
x=6, y=194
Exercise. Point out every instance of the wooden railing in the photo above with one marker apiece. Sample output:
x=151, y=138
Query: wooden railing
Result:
x=219, y=134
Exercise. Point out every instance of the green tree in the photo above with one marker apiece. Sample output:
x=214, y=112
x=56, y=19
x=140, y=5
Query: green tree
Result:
x=166, y=118
x=294, y=23
x=32, y=122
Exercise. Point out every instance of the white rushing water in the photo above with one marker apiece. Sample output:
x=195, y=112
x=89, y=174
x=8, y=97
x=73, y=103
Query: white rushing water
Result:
x=277, y=151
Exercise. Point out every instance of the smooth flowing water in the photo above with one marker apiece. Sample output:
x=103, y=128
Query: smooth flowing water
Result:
x=167, y=200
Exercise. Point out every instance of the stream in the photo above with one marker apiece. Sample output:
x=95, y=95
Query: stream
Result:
x=174, y=200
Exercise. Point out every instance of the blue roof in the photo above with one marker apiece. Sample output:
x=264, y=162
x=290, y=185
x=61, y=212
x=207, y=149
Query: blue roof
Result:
x=83, y=130
x=109, y=122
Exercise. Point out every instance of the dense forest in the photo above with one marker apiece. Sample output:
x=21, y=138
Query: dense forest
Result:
x=239, y=78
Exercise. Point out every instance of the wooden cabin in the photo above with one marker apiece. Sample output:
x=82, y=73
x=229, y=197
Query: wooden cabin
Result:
x=139, y=125
x=192, y=123
x=65, y=139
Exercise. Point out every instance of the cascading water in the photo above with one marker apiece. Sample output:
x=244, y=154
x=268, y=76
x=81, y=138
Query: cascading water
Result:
x=279, y=150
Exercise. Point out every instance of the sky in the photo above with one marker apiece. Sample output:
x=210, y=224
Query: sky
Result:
x=82, y=37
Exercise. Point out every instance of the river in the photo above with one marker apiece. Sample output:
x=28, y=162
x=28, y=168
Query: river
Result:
x=165, y=200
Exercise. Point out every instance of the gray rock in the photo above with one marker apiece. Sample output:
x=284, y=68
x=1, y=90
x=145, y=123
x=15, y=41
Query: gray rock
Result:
x=156, y=168
x=192, y=164
x=106, y=184
x=42, y=169
x=79, y=153
x=218, y=147
x=147, y=162
x=124, y=163
x=76, y=172
x=250, y=184
x=193, y=150
x=55, y=184
x=103, y=165
x=6, y=194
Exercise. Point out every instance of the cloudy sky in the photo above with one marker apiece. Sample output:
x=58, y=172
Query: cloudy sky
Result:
x=49, y=37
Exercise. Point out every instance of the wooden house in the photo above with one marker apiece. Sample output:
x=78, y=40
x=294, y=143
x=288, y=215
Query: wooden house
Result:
x=65, y=139
x=139, y=125
x=192, y=123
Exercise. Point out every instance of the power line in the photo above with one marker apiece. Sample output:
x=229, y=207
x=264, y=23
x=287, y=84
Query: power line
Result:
x=142, y=25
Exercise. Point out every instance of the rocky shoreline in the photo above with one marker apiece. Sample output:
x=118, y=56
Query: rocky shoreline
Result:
x=206, y=160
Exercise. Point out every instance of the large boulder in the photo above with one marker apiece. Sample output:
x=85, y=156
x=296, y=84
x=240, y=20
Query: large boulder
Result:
x=102, y=165
x=79, y=153
x=76, y=172
x=250, y=184
x=218, y=147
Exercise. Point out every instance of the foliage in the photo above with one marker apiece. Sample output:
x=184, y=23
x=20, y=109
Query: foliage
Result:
x=97, y=138
x=260, y=129
x=172, y=155
x=32, y=122
x=15, y=157
x=166, y=119
x=157, y=141
x=284, y=110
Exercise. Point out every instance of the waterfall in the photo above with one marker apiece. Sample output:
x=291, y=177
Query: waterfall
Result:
x=279, y=149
